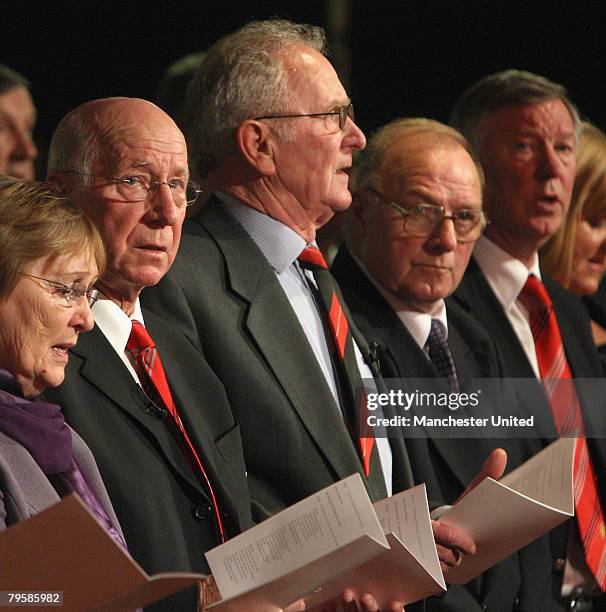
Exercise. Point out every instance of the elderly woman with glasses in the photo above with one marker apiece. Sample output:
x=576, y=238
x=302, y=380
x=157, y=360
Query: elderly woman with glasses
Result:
x=50, y=256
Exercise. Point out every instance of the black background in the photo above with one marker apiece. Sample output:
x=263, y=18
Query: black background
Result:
x=408, y=57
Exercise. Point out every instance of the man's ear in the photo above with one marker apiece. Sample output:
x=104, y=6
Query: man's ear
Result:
x=255, y=142
x=59, y=182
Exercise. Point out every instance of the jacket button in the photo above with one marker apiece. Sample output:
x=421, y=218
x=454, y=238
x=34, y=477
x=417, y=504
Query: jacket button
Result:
x=202, y=512
x=559, y=565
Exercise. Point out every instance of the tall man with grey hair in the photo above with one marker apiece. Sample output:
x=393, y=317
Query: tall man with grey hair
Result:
x=166, y=442
x=272, y=133
x=524, y=128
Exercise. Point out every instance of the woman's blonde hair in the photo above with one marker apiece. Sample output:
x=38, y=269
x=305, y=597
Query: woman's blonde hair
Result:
x=588, y=202
x=36, y=222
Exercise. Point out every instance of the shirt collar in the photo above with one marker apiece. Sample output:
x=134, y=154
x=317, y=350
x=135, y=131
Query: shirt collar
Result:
x=505, y=274
x=417, y=323
x=114, y=322
x=280, y=244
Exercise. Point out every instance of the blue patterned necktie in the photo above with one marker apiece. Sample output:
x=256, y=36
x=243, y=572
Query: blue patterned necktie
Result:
x=437, y=350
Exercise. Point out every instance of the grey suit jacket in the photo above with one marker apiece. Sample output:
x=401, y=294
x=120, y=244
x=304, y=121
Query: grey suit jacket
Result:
x=25, y=490
x=225, y=295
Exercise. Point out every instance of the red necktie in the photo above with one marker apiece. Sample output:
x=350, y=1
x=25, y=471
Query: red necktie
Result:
x=151, y=374
x=312, y=259
x=555, y=373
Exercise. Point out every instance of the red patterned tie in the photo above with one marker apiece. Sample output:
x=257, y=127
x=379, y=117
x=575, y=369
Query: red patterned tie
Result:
x=151, y=374
x=312, y=259
x=556, y=375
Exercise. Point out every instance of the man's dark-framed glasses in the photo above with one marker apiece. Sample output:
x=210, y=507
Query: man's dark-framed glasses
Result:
x=138, y=187
x=343, y=112
x=422, y=220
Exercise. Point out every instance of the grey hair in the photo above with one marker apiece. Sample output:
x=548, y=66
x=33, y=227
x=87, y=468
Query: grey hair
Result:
x=506, y=88
x=74, y=146
x=11, y=79
x=241, y=77
x=369, y=166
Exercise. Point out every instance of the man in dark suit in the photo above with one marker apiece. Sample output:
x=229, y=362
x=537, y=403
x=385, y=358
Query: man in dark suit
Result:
x=524, y=129
x=272, y=133
x=416, y=213
x=171, y=455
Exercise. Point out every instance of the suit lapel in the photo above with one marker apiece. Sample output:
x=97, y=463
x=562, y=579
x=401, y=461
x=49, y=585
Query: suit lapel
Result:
x=476, y=297
x=190, y=410
x=275, y=329
x=400, y=355
x=413, y=364
x=105, y=371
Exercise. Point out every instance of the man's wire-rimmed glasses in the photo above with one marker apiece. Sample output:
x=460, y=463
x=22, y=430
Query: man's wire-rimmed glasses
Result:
x=422, y=220
x=138, y=187
x=343, y=112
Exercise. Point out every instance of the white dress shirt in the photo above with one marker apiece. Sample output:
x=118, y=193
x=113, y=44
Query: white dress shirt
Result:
x=507, y=276
x=116, y=326
x=417, y=323
x=281, y=246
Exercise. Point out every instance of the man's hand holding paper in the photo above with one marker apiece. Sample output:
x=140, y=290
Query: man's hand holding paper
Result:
x=453, y=543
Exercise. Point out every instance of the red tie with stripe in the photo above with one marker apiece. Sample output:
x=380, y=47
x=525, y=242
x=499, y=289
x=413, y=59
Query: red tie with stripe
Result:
x=312, y=259
x=556, y=375
x=153, y=378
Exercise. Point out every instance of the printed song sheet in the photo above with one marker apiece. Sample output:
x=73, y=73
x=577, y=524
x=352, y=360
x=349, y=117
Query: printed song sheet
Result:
x=409, y=571
x=297, y=550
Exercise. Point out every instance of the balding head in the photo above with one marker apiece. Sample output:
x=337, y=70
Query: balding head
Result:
x=78, y=140
x=391, y=150
x=124, y=161
x=413, y=172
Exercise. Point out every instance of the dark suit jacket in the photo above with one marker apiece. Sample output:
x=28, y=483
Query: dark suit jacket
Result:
x=446, y=465
x=474, y=354
x=226, y=295
x=164, y=510
x=596, y=304
x=477, y=298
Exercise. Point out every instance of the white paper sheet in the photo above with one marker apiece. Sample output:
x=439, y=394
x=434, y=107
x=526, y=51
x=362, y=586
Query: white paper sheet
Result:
x=409, y=571
x=504, y=516
x=298, y=549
